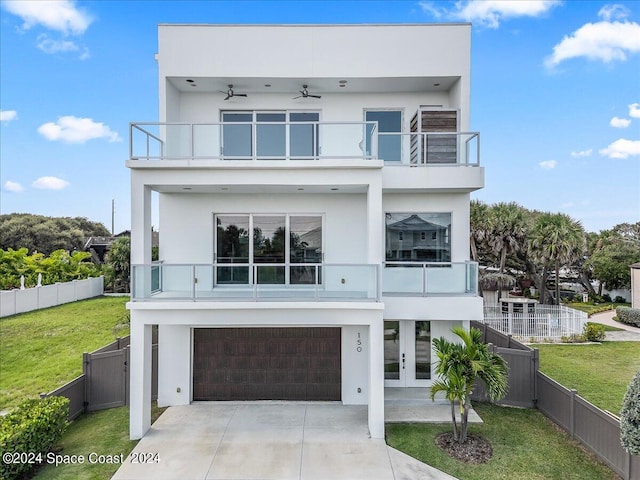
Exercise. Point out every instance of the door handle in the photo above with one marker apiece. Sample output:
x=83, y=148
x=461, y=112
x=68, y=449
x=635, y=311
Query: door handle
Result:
x=403, y=361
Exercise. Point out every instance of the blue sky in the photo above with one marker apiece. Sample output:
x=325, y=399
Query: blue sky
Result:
x=555, y=95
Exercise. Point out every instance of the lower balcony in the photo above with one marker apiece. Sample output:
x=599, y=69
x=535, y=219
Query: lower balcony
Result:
x=301, y=282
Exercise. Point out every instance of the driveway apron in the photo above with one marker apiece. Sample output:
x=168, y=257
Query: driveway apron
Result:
x=267, y=441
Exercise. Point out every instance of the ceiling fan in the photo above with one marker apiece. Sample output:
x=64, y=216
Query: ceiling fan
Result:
x=230, y=93
x=304, y=93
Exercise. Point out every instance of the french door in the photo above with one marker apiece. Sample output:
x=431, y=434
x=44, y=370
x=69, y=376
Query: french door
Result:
x=407, y=353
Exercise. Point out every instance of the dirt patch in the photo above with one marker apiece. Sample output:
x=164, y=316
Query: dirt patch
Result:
x=475, y=450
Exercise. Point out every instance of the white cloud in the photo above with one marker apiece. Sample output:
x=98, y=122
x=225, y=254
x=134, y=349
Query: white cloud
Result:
x=50, y=183
x=634, y=110
x=582, y=153
x=613, y=12
x=606, y=41
x=72, y=129
x=490, y=13
x=8, y=115
x=48, y=45
x=622, y=148
x=619, y=122
x=59, y=15
x=14, y=187
x=548, y=164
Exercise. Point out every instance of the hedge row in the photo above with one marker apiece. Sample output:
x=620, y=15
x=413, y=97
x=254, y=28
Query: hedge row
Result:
x=28, y=433
x=630, y=316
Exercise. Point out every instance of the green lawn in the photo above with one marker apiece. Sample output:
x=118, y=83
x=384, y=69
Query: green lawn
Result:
x=526, y=445
x=42, y=350
x=590, y=308
x=600, y=373
x=105, y=433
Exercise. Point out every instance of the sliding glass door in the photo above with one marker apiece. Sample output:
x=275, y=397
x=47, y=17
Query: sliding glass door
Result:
x=281, y=249
x=270, y=135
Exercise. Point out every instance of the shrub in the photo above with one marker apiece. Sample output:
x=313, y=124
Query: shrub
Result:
x=32, y=428
x=630, y=417
x=630, y=316
x=594, y=332
x=606, y=298
x=573, y=338
x=619, y=299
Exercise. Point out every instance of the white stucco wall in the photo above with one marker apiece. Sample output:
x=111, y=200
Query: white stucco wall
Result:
x=314, y=50
x=187, y=222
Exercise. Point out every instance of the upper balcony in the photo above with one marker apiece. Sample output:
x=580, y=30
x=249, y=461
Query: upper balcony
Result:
x=302, y=282
x=314, y=143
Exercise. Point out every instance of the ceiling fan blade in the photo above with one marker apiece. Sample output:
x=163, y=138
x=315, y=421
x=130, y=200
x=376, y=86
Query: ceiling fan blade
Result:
x=239, y=94
x=227, y=97
x=299, y=96
x=223, y=92
x=315, y=96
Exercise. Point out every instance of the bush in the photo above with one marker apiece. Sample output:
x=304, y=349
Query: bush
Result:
x=594, y=332
x=619, y=299
x=630, y=417
x=630, y=316
x=606, y=298
x=32, y=429
x=573, y=338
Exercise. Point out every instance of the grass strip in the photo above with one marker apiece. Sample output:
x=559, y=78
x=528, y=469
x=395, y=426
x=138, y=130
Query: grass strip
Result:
x=526, y=445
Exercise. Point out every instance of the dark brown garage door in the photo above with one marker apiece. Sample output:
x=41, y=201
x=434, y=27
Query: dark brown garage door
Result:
x=266, y=364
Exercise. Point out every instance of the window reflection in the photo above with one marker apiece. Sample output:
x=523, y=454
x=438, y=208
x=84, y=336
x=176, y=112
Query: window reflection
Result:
x=418, y=237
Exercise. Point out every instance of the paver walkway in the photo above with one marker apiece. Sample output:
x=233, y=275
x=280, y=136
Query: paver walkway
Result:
x=629, y=333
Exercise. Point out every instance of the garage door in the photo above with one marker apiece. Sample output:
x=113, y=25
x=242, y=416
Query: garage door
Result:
x=266, y=364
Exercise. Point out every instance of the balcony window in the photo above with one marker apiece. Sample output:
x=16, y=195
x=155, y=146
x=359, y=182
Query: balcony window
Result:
x=418, y=237
x=283, y=249
x=278, y=135
x=389, y=121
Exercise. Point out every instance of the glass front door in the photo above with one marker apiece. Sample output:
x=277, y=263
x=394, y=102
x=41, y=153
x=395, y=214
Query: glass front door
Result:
x=407, y=353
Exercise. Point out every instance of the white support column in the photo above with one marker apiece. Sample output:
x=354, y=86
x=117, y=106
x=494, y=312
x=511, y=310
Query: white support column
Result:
x=376, y=379
x=140, y=221
x=139, y=378
x=375, y=227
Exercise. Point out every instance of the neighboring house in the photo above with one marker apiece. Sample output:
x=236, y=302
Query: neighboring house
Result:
x=313, y=187
x=635, y=285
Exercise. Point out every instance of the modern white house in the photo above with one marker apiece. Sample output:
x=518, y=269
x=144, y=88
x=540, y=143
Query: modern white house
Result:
x=313, y=186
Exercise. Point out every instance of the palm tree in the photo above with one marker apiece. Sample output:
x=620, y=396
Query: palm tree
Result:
x=507, y=230
x=478, y=226
x=459, y=365
x=556, y=241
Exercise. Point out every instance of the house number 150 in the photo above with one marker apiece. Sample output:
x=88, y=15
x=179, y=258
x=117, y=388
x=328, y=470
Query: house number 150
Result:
x=359, y=344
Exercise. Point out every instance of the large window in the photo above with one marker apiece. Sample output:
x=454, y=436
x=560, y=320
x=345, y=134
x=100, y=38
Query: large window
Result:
x=418, y=237
x=282, y=249
x=270, y=135
x=389, y=122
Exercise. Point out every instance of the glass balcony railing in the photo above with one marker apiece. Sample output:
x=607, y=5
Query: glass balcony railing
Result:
x=255, y=282
x=433, y=148
x=253, y=141
x=300, y=141
x=429, y=279
x=301, y=282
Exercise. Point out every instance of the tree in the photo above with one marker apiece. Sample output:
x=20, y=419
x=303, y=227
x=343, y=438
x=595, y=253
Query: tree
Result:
x=479, y=227
x=556, y=241
x=459, y=366
x=118, y=264
x=38, y=233
x=507, y=229
x=613, y=252
x=630, y=417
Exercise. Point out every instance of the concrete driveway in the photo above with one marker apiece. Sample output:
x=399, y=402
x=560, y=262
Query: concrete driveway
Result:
x=279, y=441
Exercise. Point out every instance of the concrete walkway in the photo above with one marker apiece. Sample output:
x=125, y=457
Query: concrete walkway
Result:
x=414, y=405
x=628, y=334
x=268, y=441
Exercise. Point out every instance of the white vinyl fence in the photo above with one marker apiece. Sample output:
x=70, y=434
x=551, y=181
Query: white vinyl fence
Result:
x=546, y=322
x=29, y=299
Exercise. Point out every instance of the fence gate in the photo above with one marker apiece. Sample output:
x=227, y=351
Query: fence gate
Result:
x=107, y=387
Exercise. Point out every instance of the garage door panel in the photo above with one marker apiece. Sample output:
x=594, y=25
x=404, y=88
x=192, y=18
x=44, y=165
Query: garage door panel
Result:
x=267, y=363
